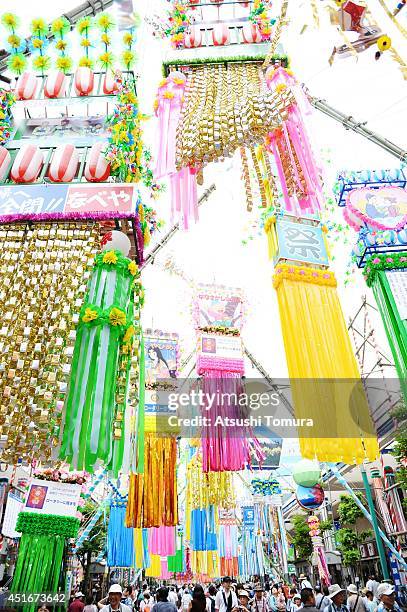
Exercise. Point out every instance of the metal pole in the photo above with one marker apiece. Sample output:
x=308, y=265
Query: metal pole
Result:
x=349, y=123
x=379, y=542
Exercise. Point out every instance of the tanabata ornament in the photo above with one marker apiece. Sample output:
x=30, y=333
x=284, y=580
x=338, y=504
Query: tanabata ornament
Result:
x=310, y=498
x=27, y=164
x=5, y=161
x=220, y=35
x=64, y=164
x=84, y=81
x=110, y=83
x=251, y=33
x=55, y=85
x=107, y=339
x=97, y=168
x=306, y=473
x=193, y=38
x=26, y=86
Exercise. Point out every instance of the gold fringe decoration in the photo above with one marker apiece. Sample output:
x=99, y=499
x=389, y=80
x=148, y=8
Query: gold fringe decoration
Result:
x=246, y=179
x=276, y=38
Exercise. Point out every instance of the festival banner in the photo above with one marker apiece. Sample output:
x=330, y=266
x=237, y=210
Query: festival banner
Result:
x=52, y=132
x=382, y=208
x=218, y=306
x=301, y=242
x=48, y=497
x=14, y=506
x=47, y=202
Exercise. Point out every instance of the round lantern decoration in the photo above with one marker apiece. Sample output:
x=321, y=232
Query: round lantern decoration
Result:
x=389, y=237
x=306, y=473
x=84, y=81
x=110, y=84
x=97, y=169
x=220, y=35
x=402, y=236
x=64, y=164
x=26, y=86
x=251, y=33
x=27, y=164
x=310, y=498
x=5, y=159
x=116, y=241
x=370, y=239
x=193, y=38
x=55, y=85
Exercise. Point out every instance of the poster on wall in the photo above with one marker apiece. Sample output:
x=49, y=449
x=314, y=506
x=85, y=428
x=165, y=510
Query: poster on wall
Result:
x=50, y=497
x=398, y=284
x=161, y=363
x=218, y=306
x=271, y=448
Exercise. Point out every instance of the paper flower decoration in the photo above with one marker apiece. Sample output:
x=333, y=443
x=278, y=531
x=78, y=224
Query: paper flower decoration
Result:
x=105, y=23
x=83, y=26
x=15, y=44
x=38, y=44
x=59, y=28
x=17, y=63
x=259, y=15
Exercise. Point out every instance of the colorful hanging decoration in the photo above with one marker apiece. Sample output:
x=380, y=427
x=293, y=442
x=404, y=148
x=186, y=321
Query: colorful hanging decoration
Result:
x=38, y=44
x=105, y=24
x=40, y=562
x=319, y=550
x=386, y=274
x=60, y=28
x=120, y=539
x=265, y=487
x=7, y=99
x=108, y=335
x=306, y=473
x=208, y=488
x=17, y=61
x=177, y=23
x=42, y=286
x=128, y=56
x=83, y=26
x=260, y=16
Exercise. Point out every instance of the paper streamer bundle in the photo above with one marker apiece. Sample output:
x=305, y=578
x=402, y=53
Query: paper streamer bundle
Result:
x=120, y=539
x=39, y=567
x=42, y=286
x=153, y=494
x=107, y=338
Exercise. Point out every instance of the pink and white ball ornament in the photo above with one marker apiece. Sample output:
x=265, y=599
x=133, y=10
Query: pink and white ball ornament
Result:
x=84, y=81
x=110, y=83
x=251, y=33
x=27, y=164
x=116, y=241
x=26, y=86
x=55, y=85
x=220, y=35
x=64, y=164
x=97, y=168
x=5, y=160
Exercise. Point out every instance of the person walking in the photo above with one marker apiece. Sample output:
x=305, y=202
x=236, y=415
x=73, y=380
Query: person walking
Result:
x=321, y=597
x=308, y=600
x=162, y=604
x=372, y=584
x=198, y=602
x=259, y=602
x=386, y=597
x=115, y=600
x=304, y=582
x=355, y=600
x=337, y=595
x=210, y=598
x=77, y=605
x=244, y=605
x=370, y=602
x=172, y=596
x=226, y=598
x=147, y=602
x=90, y=605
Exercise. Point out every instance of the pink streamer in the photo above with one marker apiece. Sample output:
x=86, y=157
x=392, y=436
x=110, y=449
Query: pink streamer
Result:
x=161, y=541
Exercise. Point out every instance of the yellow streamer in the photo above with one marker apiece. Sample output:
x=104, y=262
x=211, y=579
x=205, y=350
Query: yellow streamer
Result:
x=322, y=368
x=272, y=239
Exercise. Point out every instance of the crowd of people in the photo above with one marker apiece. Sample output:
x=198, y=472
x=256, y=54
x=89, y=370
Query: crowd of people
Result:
x=231, y=596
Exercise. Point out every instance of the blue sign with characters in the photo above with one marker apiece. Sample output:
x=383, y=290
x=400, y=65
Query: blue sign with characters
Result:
x=248, y=516
x=301, y=242
x=32, y=199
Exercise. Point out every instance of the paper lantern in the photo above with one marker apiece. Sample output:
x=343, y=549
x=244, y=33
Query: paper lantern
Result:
x=84, y=81
x=26, y=86
x=110, y=84
x=310, y=498
x=27, y=164
x=64, y=164
x=5, y=159
x=116, y=241
x=251, y=33
x=194, y=38
x=402, y=236
x=306, y=473
x=97, y=169
x=220, y=35
x=55, y=85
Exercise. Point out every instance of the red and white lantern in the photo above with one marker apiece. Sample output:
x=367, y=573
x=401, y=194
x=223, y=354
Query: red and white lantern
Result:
x=110, y=84
x=193, y=38
x=55, y=85
x=64, y=164
x=97, y=169
x=27, y=164
x=84, y=81
x=26, y=86
x=251, y=33
x=220, y=35
x=5, y=159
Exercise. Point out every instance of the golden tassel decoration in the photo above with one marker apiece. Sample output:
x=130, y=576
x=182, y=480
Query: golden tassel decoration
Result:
x=246, y=179
x=276, y=38
x=259, y=177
